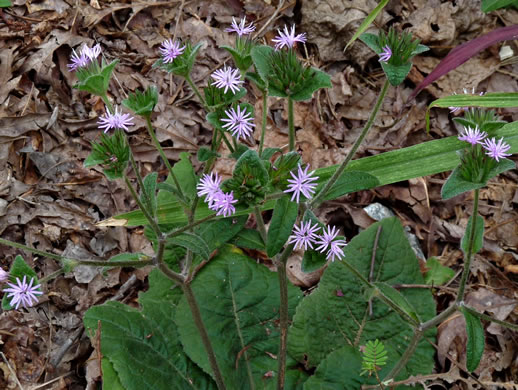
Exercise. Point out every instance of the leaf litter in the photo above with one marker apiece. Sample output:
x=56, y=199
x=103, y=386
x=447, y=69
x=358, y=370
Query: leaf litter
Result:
x=48, y=200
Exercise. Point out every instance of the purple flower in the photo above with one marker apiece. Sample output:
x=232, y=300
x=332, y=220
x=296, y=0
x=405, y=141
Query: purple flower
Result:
x=22, y=293
x=224, y=203
x=117, y=120
x=240, y=28
x=496, y=150
x=170, y=50
x=385, y=54
x=304, y=235
x=209, y=185
x=302, y=184
x=326, y=239
x=473, y=136
x=288, y=38
x=239, y=122
x=78, y=61
x=3, y=276
x=335, y=250
x=227, y=78
x=92, y=53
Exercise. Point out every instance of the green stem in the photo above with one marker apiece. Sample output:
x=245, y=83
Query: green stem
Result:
x=196, y=91
x=488, y=318
x=164, y=158
x=188, y=227
x=227, y=142
x=438, y=318
x=469, y=255
x=53, y=275
x=406, y=356
x=139, y=178
x=108, y=103
x=260, y=223
x=283, y=315
x=291, y=124
x=263, y=124
x=318, y=198
x=148, y=216
x=198, y=321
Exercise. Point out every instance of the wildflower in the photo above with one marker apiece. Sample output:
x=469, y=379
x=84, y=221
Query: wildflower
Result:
x=227, y=78
x=209, y=185
x=91, y=53
x=326, y=239
x=239, y=122
x=22, y=293
x=3, y=276
x=224, y=203
x=302, y=184
x=385, y=54
x=116, y=120
x=240, y=28
x=335, y=250
x=78, y=61
x=473, y=136
x=170, y=50
x=304, y=235
x=288, y=38
x=496, y=150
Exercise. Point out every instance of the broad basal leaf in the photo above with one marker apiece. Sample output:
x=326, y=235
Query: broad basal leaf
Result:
x=336, y=314
x=239, y=303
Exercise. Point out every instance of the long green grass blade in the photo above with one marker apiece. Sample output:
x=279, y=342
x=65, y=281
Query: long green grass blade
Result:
x=367, y=22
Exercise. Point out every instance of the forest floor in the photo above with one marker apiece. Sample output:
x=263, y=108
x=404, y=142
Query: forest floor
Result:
x=48, y=200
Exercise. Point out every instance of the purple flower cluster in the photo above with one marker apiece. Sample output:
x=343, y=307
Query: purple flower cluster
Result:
x=288, y=38
x=385, y=54
x=227, y=78
x=241, y=28
x=219, y=201
x=306, y=235
x=85, y=56
x=240, y=122
x=302, y=183
x=170, y=50
x=23, y=293
x=117, y=120
x=494, y=149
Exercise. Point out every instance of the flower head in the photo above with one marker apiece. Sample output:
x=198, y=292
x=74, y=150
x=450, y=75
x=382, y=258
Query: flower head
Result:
x=241, y=28
x=473, y=135
x=302, y=184
x=326, y=238
x=288, y=38
x=3, y=276
x=224, y=203
x=239, y=122
x=170, y=50
x=209, y=185
x=227, y=78
x=335, y=250
x=496, y=150
x=91, y=53
x=23, y=293
x=304, y=235
x=78, y=61
x=385, y=54
x=116, y=120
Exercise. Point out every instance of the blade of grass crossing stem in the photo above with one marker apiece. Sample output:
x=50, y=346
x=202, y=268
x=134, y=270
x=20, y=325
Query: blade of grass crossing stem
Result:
x=367, y=22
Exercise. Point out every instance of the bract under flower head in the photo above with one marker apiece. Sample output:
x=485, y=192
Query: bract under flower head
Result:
x=288, y=38
x=239, y=122
x=241, y=28
x=227, y=78
x=116, y=120
x=170, y=50
x=496, y=150
x=473, y=135
x=302, y=183
x=385, y=54
x=23, y=293
x=304, y=235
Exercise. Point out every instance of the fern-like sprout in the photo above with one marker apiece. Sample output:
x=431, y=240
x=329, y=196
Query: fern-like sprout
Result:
x=374, y=357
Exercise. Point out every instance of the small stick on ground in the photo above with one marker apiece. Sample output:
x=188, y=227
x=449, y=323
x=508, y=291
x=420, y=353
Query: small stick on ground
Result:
x=11, y=371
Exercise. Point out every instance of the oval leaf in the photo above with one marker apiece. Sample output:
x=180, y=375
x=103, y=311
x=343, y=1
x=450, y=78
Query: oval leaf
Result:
x=476, y=340
x=283, y=219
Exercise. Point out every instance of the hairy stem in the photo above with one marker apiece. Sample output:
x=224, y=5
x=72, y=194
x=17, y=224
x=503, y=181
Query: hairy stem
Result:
x=196, y=91
x=322, y=193
x=263, y=124
x=406, y=356
x=260, y=223
x=469, y=255
x=198, y=321
x=188, y=227
x=283, y=315
x=291, y=124
x=148, y=216
x=489, y=318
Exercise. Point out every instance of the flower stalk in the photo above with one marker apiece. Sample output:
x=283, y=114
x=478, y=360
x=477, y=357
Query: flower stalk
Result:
x=291, y=125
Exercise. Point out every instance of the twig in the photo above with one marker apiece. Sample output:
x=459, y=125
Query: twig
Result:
x=11, y=371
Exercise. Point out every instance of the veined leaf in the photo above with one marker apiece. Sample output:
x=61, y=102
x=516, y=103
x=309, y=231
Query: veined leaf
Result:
x=283, y=219
x=476, y=340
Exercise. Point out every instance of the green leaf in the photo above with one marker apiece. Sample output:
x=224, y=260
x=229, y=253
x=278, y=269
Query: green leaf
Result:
x=5, y=3
x=318, y=80
x=261, y=57
x=367, y=22
x=143, y=345
x=142, y=103
x=281, y=226
x=192, y=242
x=185, y=174
x=313, y=260
x=110, y=378
x=491, y=5
x=250, y=165
x=19, y=269
x=350, y=181
x=399, y=299
x=257, y=80
x=217, y=233
x=239, y=303
x=336, y=314
x=148, y=192
x=437, y=274
x=128, y=257
x=478, y=242
x=249, y=238
x=396, y=74
x=476, y=340
x=205, y=154
x=372, y=41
